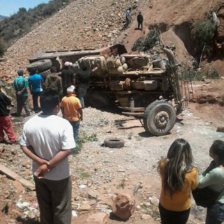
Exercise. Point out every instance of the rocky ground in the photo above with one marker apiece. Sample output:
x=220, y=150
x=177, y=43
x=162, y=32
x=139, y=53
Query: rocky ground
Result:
x=99, y=172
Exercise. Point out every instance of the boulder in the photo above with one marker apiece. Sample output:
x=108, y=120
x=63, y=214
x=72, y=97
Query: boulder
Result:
x=123, y=206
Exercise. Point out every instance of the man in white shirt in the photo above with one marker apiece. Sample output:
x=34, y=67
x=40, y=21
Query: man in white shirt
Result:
x=48, y=139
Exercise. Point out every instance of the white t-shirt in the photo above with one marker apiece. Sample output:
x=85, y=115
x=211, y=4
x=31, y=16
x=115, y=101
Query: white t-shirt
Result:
x=48, y=135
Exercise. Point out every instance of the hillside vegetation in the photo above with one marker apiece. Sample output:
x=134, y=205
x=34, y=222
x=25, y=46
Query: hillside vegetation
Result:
x=21, y=22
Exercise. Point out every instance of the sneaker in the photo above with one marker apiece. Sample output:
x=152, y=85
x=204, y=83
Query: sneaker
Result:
x=3, y=141
x=15, y=115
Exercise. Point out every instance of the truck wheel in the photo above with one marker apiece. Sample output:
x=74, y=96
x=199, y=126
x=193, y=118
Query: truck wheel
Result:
x=40, y=65
x=159, y=118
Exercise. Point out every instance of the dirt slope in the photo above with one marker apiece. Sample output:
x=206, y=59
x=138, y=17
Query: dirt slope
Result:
x=97, y=23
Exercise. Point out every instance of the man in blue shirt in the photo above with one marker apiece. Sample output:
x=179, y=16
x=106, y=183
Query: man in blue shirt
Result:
x=35, y=81
x=20, y=85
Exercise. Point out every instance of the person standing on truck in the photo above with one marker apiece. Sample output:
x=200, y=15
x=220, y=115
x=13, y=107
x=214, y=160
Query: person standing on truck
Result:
x=35, y=84
x=20, y=84
x=67, y=76
x=53, y=82
x=48, y=140
x=83, y=80
x=72, y=110
x=140, y=20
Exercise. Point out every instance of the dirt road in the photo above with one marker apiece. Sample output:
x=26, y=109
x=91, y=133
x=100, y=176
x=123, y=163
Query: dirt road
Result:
x=99, y=172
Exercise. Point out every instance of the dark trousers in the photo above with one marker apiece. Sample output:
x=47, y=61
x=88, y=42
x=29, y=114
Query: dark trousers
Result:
x=35, y=96
x=22, y=102
x=215, y=214
x=140, y=25
x=171, y=217
x=54, y=199
x=75, y=126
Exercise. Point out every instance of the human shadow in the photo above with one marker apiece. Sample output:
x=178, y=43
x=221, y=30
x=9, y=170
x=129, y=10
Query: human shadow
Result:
x=27, y=220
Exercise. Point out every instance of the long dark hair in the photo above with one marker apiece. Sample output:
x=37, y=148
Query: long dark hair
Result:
x=179, y=163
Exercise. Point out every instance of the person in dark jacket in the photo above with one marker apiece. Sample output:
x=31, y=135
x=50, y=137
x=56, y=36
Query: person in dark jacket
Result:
x=140, y=20
x=67, y=76
x=5, y=121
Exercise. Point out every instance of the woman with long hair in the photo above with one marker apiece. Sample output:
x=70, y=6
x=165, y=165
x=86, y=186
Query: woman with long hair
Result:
x=213, y=177
x=178, y=178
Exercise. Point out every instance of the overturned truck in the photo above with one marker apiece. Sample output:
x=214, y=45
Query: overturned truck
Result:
x=140, y=86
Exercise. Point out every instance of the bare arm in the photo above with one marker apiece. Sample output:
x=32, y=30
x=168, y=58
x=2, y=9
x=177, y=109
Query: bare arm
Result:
x=80, y=114
x=32, y=155
x=45, y=166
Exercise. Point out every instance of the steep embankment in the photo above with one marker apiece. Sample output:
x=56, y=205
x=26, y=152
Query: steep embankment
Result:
x=98, y=23
x=82, y=24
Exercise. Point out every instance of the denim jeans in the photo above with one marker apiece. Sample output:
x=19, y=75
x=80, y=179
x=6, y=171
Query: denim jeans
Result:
x=215, y=214
x=75, y=126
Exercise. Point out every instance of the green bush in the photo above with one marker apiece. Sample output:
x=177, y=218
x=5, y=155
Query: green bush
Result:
x=139, y=44
x=145, y=44
x=213, y=74
x=204, y=31
x=2, y=48
x=189, y=74
x=21, y=23
x=151, y=40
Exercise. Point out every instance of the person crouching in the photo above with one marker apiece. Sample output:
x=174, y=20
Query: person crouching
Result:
x=72, y=110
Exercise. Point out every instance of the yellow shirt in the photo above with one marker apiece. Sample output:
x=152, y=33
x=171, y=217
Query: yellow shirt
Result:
x=180, y=200
x=71, y=105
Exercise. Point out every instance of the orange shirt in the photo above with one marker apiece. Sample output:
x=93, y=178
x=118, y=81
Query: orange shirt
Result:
x=71, y=105
x=180, y=200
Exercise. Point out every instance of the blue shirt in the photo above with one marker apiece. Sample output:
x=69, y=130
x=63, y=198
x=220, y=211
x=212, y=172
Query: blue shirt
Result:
x=20, y=83
x=35, y=81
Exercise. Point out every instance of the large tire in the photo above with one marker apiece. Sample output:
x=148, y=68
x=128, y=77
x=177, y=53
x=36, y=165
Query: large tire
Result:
x=159, y=118
x=41, y=65
x=113, y=143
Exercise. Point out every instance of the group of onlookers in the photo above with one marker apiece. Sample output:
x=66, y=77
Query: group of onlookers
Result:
x=48, y=140
x=63, y=84
x=179, y=177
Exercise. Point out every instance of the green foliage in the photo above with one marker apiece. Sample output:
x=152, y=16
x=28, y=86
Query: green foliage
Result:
x=151, y=40
x=204, y=31
x=21, y=23
x=213, y=74
x=138, y=45
x=2, y=48
x=195, y=75
x=84, y=175
x=145, y=44
x=83, y=137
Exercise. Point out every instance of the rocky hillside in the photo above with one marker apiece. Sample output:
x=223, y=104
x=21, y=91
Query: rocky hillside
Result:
x=98, y=23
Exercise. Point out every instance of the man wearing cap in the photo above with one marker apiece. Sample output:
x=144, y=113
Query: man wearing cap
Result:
x=140, y=20
x=72, y=110
x=5, y=121
x=67, y=77
x=20, y=84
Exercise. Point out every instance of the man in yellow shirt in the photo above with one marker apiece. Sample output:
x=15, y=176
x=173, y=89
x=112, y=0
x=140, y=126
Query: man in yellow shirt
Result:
x=72, y=110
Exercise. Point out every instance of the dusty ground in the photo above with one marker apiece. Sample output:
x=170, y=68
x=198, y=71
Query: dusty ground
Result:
x=99, y=172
